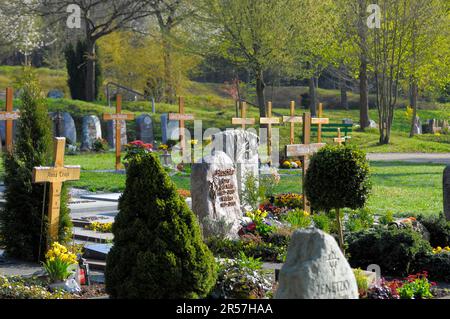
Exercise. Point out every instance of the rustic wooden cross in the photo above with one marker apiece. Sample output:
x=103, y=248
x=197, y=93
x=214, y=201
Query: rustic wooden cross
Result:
x=319, y=125
x=118, y=117
x=243, y=120
x=340, y=139
x=304, y=151
x=9, y=116
x=55, y=176
x=269, y=121
x=181, y=117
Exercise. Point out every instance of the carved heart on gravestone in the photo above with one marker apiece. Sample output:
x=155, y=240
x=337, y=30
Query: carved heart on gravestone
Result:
x=315, y=268
x=214, y=196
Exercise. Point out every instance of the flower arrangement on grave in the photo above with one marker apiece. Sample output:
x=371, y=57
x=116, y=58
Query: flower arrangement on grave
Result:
x=286, y=164
x=440, y=250
x=184, y=193
x=289, y=200
x=59, y=262
x=136, y=149
x=100, y=145
x=100, y=227
x=257, y=224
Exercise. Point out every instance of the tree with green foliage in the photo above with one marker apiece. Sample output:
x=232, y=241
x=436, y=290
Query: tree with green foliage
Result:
x=158, y=250
x=76, y=61
x=338, y=177
x=252, y=34
x=23, y=220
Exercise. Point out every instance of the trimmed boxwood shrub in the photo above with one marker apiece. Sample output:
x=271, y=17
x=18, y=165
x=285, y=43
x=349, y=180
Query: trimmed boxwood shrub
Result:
x=439, y=229
x=437, y=266
x=158, y=251
x=394, y=250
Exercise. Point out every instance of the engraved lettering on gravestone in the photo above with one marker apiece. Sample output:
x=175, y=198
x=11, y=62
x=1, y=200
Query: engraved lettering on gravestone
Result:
x=333, y=261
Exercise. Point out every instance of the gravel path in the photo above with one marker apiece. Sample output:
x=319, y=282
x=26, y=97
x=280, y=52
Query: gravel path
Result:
x=439, y=158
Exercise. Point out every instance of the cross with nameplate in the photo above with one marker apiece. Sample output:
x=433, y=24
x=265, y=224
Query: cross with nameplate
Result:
x=55, y=175
x=9, y=116
x=117, y=118
x=292, y=119
x=339, y=139
x=304, y=151
x=269, y=121
x=243, y=120
x=181, y=117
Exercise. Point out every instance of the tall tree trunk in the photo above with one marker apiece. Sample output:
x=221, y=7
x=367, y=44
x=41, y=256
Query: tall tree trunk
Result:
x=343, y=87
x=312, y=96
x=90, y=70
x=169, y=86
x=363, y=94
x=260, y=86
x=413, y=102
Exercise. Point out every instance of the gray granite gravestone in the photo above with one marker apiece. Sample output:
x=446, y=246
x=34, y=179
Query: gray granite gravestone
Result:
x=315, y=268
x=144, y=128
x=214, y=196
x=55, y=94
x=3, y=130
x=64, y=126
x=91, y=131
x=169, y=128
x=111, y=133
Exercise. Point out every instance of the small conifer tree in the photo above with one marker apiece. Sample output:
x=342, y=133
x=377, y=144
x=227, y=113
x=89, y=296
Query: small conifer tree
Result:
x=158, y=250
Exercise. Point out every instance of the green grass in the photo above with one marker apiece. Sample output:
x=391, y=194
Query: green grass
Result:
x=403, y=188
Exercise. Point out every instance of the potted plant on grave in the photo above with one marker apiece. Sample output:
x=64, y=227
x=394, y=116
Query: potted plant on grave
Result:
x=60, y=264
x=136, y=149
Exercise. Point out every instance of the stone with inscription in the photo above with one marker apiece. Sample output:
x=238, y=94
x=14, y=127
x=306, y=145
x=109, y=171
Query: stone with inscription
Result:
x=315, y=268
x=242, y=147
x=446, y=187
x=214, y=196
x=64, y=126
x=144, y=128
x=111, y=133
x=169, y=129
x=91, y=131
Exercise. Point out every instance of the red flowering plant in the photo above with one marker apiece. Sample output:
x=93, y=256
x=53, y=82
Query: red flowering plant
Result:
x=136, y=149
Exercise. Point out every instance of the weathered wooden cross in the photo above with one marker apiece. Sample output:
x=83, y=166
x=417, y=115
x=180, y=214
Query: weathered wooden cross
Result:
x=243, y=120
x=292, y=119
x=269, y=121
x=304, y=151
x=339, y=139
x=9, y=116
x=118, y=117
x=181, y=117
x=55, y=176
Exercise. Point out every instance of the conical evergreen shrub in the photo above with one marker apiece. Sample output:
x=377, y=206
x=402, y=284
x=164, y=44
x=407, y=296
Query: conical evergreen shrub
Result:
x=158, y=251
x=22, y=218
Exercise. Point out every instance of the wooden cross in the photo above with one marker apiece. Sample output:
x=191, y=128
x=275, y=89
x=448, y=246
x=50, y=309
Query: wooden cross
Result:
x=9, y=116
x=269, y=121
x=118, y=117
x=55, y=176
x=304, y=151
x=181, y=117
x=319, y=125
x=298, y=119
x=292, y=120
x=340, y=139
x=243, y=120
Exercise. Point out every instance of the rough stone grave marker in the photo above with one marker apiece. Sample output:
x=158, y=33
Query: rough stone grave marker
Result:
x=9, y=116
x=91, y=131
x=304, y=151
x=64, y=126
x=56, y=176
x=117, y=118
x=315, y=268
x=145, y=128
x=214, y=195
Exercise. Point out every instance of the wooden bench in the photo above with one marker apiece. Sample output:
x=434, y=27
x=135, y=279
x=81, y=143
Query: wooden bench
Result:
x=330, y=130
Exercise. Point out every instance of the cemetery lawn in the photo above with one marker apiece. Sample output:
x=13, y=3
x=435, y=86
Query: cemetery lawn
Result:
x=404, y=188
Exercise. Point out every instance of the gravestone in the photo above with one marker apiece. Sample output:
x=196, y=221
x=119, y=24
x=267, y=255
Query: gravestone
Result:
x=64, y=126
x=111, y=133
x=315, y=268
x=144, y=129
x=55, y=94
x=373, y=124
x=169, y=128
x=446, y=187
x=242, y=147
x=347, y=121
x=214, y=196
x=3, y=130
x=91, y=131
x=417, y=128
